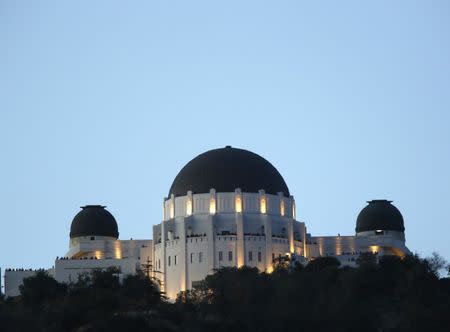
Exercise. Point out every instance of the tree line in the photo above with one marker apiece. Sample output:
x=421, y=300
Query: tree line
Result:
x=386, y=294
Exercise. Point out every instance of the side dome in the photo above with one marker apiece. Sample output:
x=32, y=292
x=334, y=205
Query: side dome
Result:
x=380, y=215
x=94, y=220
x=225, y=170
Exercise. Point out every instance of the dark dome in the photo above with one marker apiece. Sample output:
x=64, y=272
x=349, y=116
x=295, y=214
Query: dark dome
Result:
x=94, y=220
x=380, y=215
x=227, y=169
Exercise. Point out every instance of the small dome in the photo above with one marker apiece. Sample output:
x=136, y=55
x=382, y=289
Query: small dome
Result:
x=380, y=215
x=227, y=169
x=94, y=220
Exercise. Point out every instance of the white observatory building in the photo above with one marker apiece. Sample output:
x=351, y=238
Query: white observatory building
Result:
x=227, y=207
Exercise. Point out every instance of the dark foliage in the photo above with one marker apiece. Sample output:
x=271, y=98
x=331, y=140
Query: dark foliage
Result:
x=390, y=295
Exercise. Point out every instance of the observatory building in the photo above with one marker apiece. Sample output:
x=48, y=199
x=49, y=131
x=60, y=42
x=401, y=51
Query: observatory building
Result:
x=227, y=207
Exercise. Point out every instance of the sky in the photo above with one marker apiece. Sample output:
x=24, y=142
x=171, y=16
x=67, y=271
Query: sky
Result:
x=103, y=102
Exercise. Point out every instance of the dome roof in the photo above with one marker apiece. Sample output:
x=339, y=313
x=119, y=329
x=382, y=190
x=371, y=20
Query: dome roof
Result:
x=227, y=169
x=94, y=220
x=380, y=215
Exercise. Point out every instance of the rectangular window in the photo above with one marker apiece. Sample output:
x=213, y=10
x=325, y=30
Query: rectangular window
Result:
x=259, y=256
x=192, y=257
x=159, y=264
x=250, y=256
x=168, y=261
x=273, y=257
x=230, y=256
x=199, y=257
x=220, y=256
x=175, y=258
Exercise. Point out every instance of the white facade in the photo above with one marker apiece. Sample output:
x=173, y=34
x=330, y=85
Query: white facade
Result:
x=86, y=254
x=201, y=233
x=204, y=232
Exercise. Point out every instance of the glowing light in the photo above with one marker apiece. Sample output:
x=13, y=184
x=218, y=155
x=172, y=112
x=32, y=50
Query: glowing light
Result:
x=282, y=207
x=374, y=249
x=263, y=204
x=293, y=210
x=189, y=207
x=172, y=210
x=117, y=252
x=238, y=203
x=212, y=205
x=98, y=254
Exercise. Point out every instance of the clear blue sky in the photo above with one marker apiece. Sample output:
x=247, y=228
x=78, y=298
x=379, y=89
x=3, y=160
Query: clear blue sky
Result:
x=102, y=102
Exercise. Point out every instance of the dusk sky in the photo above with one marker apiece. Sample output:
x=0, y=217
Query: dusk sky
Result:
x=103, y=102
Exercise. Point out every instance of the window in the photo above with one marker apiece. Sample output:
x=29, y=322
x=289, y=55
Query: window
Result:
x=168, y=261
x=159, y=264
x=230, y=256
x=259, y=256
x=92, y=238
x=282, y=207
x=192, y=257
x=220, y=256
x=199, y=257
x=250, y=256
x=273, y=257
x=175, y=258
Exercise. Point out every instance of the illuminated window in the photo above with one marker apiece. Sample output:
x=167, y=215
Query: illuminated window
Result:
x=212, y=205
x=282, y=207
x=263, y=204
x=238, y=203
x=189, y=207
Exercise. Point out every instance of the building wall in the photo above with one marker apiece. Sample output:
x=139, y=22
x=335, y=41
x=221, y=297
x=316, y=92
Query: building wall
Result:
x=68, y=270
x=14, y=278
x=204, y=232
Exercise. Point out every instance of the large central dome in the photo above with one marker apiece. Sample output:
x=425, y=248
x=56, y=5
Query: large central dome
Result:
x=227, y=169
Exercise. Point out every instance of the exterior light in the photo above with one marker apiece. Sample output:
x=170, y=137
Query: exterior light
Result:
x=117, y=251
x=238, y=203
x=374, y=249
x=172, y=209
x=212, y=205
x=293, y=210
x=263, y=204
x=189, y=207
x=282, y=207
